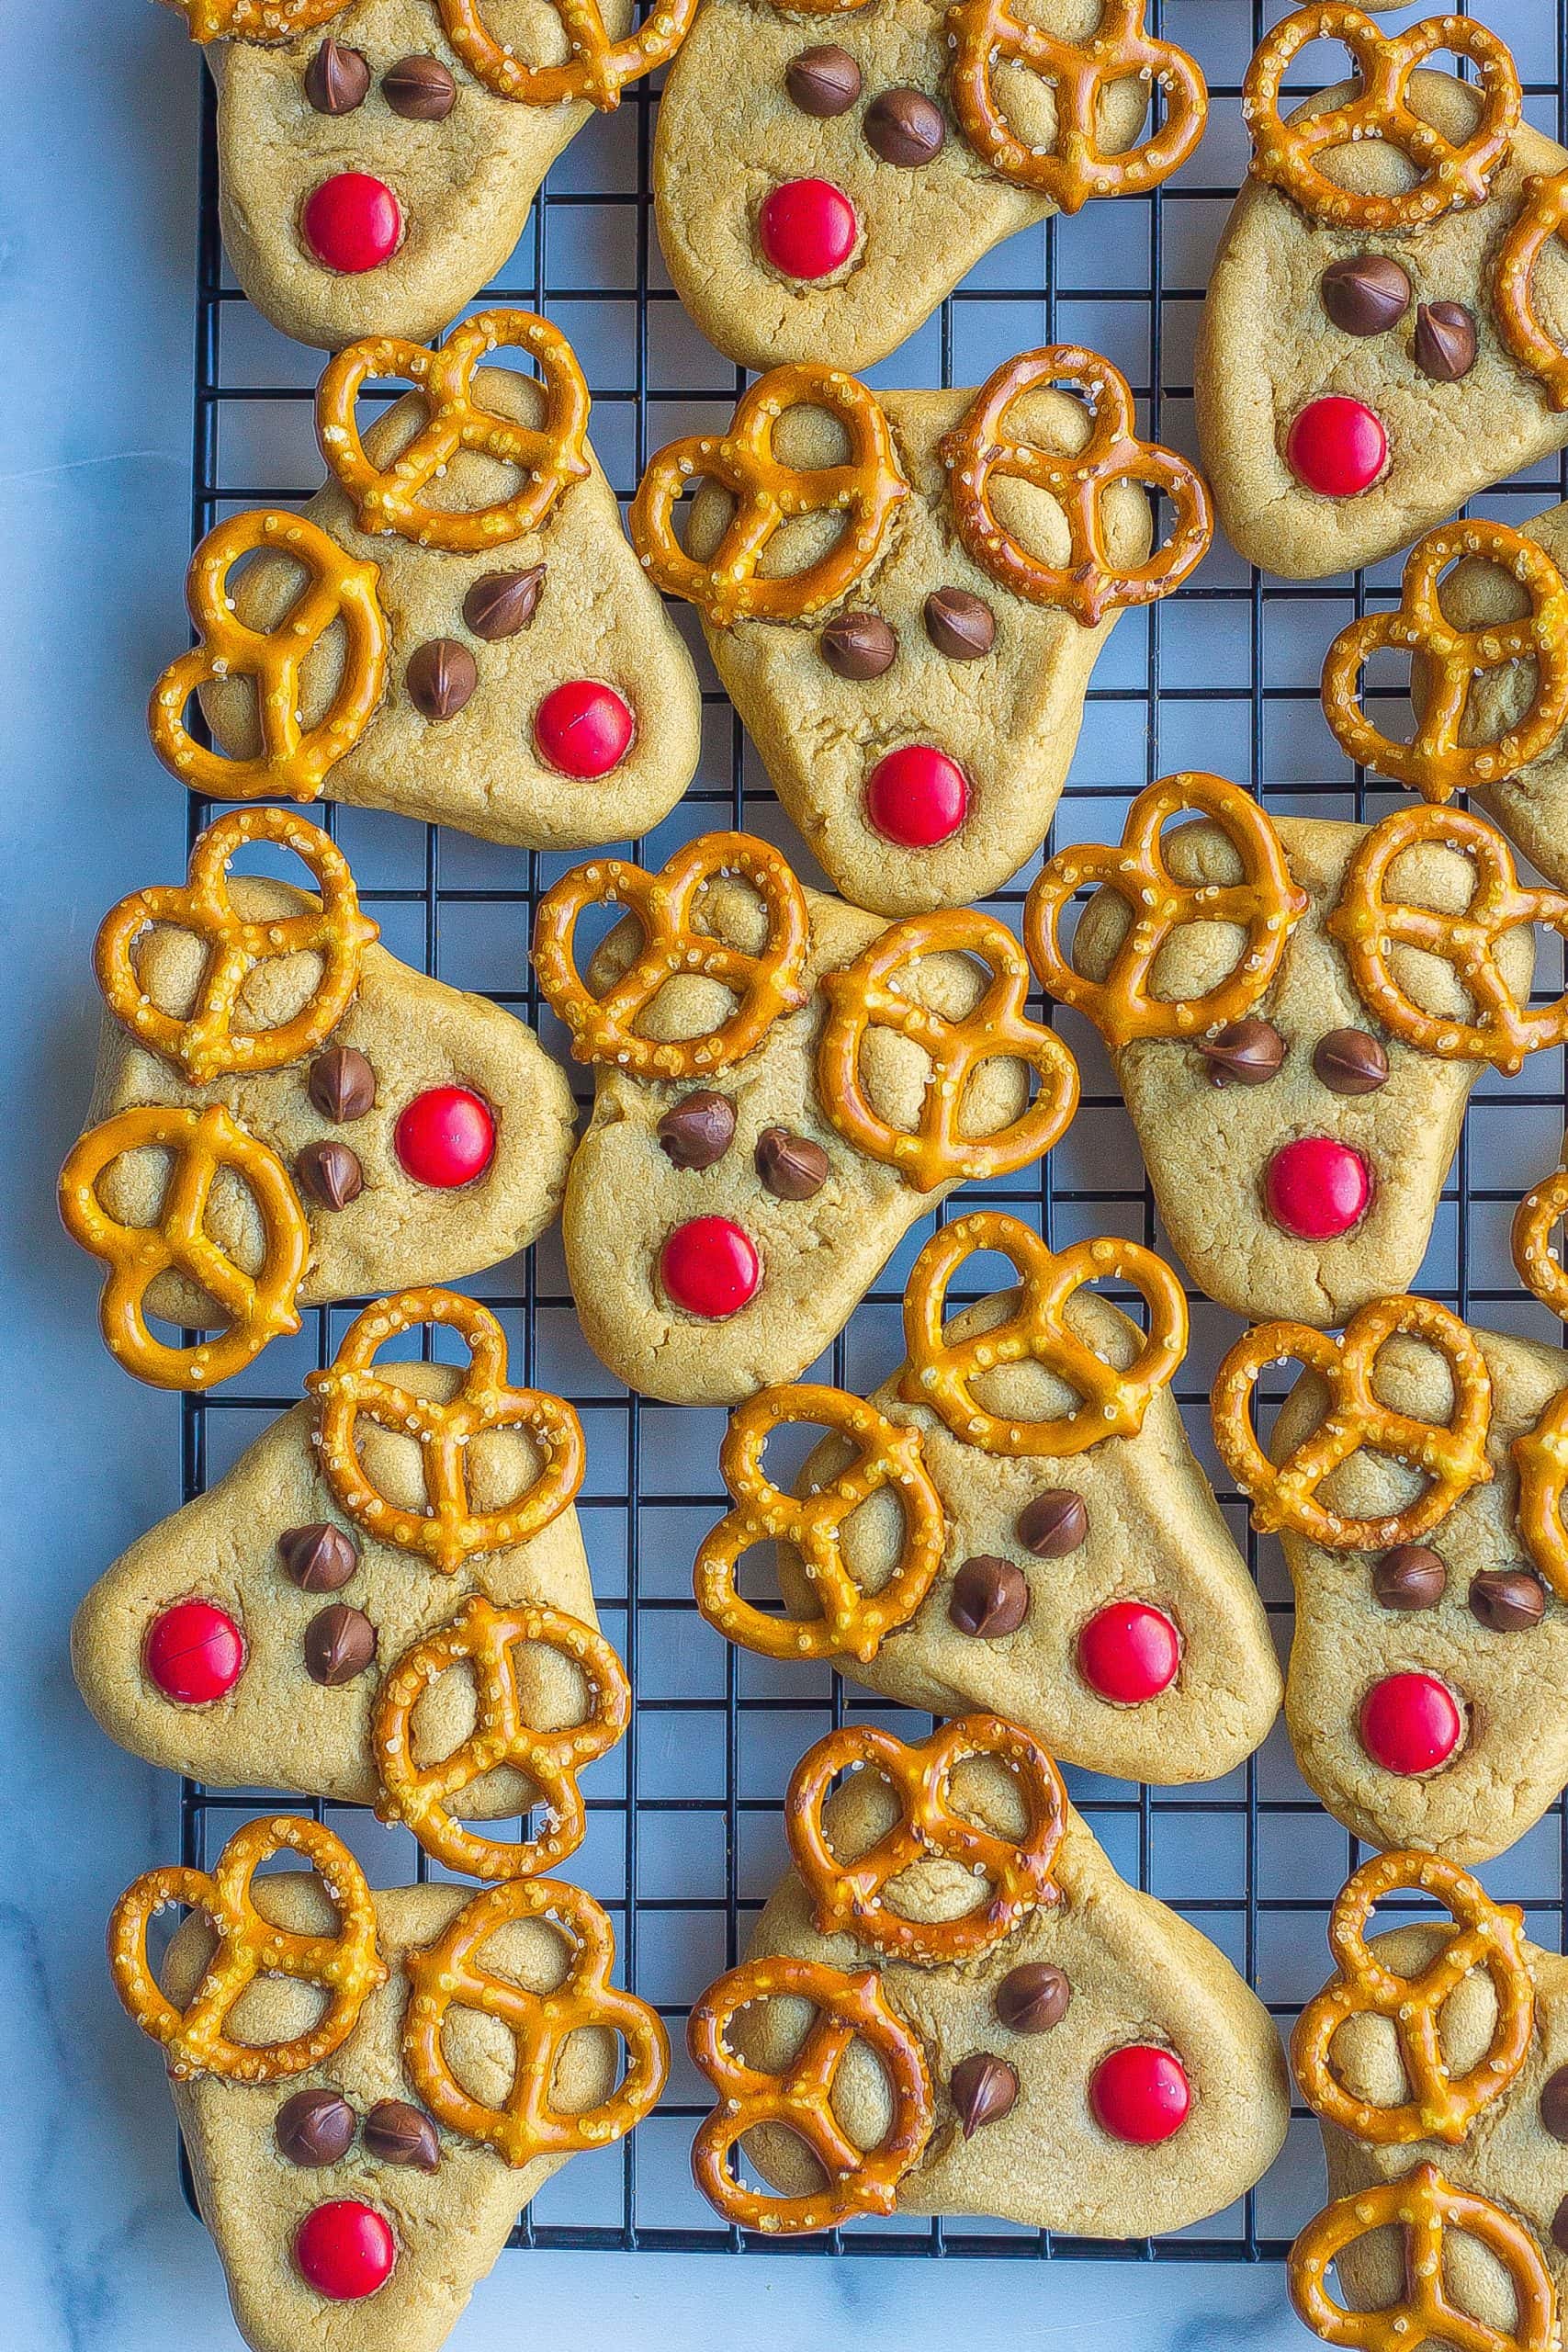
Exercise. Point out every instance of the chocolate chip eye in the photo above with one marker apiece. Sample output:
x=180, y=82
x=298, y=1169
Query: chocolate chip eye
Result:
x=1349, y=1061
x=337, y=79
x=1365, y=294
x=906, y=127
x=959, y=624
x=858, y=645
x=419, y=89
x=823, y=82
x=1244, y=1053
x=1443, y=345
x=441, y=677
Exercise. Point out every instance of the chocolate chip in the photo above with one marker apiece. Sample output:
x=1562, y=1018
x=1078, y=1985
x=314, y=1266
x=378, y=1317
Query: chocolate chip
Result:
x=340, y=1642
x=959, y=624
x=857, y=645
x=420, y=88
x=500, y=603
x=1365, y=294
x=1554, y=2104
x=698, y=1129
x=1410, y=1576
x=1244, y=1053
x=1560, y=2227
x=1032, y=1998
x=330, y=1173
x=1052, y=1523
x=905, y=127
x=400, y=2133
x=989, y=1598
x=982, y=2089
x=342, y=1083
x=337, y=79
x=440, y=677
x=318, y=1558
x=1349, y=1061
x=792, y=1167
x=313, y=2128
x=824, y=81
x=1507, y=1600
x=1443, y=346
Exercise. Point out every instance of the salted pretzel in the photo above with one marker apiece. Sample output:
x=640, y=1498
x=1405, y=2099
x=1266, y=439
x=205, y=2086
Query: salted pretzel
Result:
x=941, y=1372
x=1535, y=1221
x=205, y=1043
x=1541, y=1458
x=1451, y=1455
x=867, y=995
x=799, y=2099
x=448, y=1531
x=486, y=1639
x=345, y=1964
x=450, y=1974
x=259, y=20
x=1265, y=904
x=1369, y=923
x=978, y=452
x=1436, y=762
x=1425, y=2208
x=853, y=1623
x=1441, y=2105
x=765, y=985
x=849, y=1898
x=548, y=455
x=1448, y=177
x=295, y=760
x=597, y=69
x=199, y=1144
x=1078, y=73
x=1542, y=217
x=867, y=490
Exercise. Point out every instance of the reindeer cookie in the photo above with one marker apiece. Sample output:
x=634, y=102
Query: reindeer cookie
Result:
x=1297, y=1011
x=455, y=627
x=1014, y=1521
x=377, y=158
x=1037, y=2040
x=783, y=1087
x=284, y=1114
x=1385, y=325
x=905, y=595
x=824, y=175
x=359, y=2180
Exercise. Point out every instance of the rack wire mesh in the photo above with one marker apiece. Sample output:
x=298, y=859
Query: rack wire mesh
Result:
x=684, y=1840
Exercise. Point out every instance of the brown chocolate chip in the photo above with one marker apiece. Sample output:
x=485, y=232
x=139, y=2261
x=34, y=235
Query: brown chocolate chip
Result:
x=1507, y=1600
x=698, y=1129
x=1554, y=2104
x=823, y=82
x=337, y=79
x=419, y=89
x=500, y=603
x=857, y=645
x=330, y=1173
x=905, y=127
x=1053, y=1524
x=1349, y=1061
x=440, y=677
x=982, y=2089
x=340, y=1642
x=792, y=1167
x=315, y=2127
x=989, y=1598
x=1560, y=2227
x=400, y=2133
x=1443, y=346
x=1032, y=1998
x=1244, y=1053
x=318, y=1558
x=1365, y=294
x=959, y=624
x=342, y=1083
x=1410, y=1576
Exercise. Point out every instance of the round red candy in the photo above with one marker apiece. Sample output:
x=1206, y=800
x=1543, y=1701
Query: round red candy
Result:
x=194, y=1652
x=1337, y=446
x=1411, y=1723
x=1129, y=1652
x=584, y=729
x=351, y=222
x=1140, y=2093
x=446, y=1137
x=344, y=2250
x=1316, y=1189
x=806, y=228
x=710, y=1267
x=917, y=796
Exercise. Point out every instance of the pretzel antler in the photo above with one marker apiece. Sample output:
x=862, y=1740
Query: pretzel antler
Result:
x=596, y=69
x=1540, y=1457
x=258, y=20
x=1425, y=2208
x=1541, y=218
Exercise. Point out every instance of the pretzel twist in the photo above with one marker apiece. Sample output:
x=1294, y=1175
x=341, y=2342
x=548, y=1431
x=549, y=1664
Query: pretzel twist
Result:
x=1441, y=2105
x=1369, y=924
x=1448, y=177
x=1534, y=1220
x=799, y=2099
x=258, y=20
x=765, y=986
x=868, y=995
x=549, y=454
x=258, y=1307
x=1451, y=1455
x=978, y=451
x=346, y=1965
x=849, y=1898
x=940, y=1372
x=597, y=68
x=867, y=489
x=1266, y=905
x=853, y=1623
x=1541, y=1458
x=1437, y=763
x=448, y=1531
x=1542, y=217
x=1078, y=74
x=450, y=1974
x=486, y=1639
x=295, y=760
x=1425, y=2208
x=204, y=1045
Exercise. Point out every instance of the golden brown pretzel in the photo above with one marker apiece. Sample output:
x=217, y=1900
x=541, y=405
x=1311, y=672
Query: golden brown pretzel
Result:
x=260, y=21
x=1425, y=2208
x=1540, y=1457
x=1542, y=216
x=597, y=68
x=1534, y=1220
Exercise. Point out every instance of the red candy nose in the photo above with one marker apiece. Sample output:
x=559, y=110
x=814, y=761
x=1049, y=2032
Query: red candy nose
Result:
x=1411, y=1723
x=194, y=1652
x=1337, y=446
x=1129, y=1653
x=1316, y=1189
x=1140, y=2093
x=446, y=1137
x=582, y=728
x=344, y=2250
x=806, y=228
x=351, y=222
x=710, y=1267
x=917, y=796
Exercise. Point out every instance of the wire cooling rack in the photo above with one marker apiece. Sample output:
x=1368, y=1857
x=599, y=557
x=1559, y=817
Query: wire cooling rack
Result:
x=685, y=1839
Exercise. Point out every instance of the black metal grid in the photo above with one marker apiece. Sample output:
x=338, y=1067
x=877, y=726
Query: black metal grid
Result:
x=1287, y=1857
